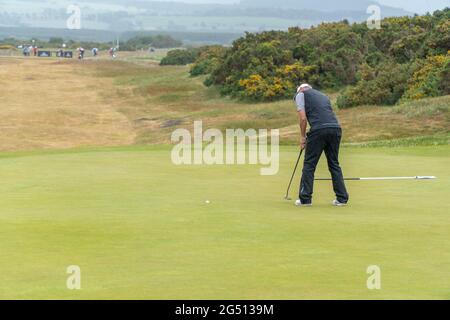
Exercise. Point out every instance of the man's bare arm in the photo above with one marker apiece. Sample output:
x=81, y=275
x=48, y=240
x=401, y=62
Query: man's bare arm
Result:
x=303, y=121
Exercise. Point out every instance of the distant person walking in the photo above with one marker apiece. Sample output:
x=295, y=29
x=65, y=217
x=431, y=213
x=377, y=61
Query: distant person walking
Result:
x=80, y=53
x=112, y=52
x=325, y=134
x=35, y=50
x=94, y=51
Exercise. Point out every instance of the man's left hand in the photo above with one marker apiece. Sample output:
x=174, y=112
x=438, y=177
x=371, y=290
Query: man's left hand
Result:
x=302, y=143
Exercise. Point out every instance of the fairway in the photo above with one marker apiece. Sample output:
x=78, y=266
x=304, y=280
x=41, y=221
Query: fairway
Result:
x=139, y=227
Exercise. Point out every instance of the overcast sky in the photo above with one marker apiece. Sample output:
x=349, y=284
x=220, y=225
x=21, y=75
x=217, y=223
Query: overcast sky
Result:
x=418, y=6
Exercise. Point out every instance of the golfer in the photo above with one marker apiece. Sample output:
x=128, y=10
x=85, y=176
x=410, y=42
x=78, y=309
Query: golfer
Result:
x=325, y=134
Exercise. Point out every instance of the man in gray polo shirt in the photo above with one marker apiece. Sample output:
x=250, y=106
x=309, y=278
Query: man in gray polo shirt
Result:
x=325, y=134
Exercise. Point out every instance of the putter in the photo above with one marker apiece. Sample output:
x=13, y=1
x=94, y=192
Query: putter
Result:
x=286, y=197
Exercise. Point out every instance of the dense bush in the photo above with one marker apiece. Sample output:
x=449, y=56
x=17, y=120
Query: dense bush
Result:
x=431, y=79
x=283, y=84
x=7, y=47
x=382, y=85
x=391, y=82
x=326, y=56
x=208, y=59
x=180, y=57
x=445, y=76
x=269, y=65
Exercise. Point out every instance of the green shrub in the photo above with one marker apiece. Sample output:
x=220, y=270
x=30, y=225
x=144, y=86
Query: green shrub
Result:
x=383, y=85
x=431, y=79
x=331, y=56
x=180, y=57
x=281, y=85
x=445, y=78
x=208, y=59
x=326, y=56
x=7, y=47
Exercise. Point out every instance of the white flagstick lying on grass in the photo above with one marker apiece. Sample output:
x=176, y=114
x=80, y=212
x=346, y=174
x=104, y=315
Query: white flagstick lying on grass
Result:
x=384, y=178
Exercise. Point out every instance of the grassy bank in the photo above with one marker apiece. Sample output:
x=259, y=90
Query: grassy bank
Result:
x=160, y=99
x=110, y=103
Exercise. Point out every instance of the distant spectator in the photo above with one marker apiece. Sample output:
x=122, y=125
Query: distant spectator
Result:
x=112, y=52
x=80, y=53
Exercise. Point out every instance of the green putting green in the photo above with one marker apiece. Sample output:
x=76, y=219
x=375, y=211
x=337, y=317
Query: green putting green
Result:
x=140, y=227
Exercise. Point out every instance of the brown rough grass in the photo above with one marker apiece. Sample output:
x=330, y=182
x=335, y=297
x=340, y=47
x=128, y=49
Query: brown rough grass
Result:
x=47, y=104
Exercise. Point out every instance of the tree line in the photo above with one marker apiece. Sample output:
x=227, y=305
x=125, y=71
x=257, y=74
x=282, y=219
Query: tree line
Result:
x=140, y=42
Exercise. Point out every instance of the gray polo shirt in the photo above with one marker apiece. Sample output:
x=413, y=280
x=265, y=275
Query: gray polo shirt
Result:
x=300, y=101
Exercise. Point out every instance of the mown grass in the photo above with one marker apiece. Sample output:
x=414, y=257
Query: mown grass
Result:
x=139, y=227
x=435, y=140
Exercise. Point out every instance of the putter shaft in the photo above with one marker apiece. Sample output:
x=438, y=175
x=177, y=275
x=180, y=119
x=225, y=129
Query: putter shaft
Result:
x=382, y=178
x=286, y=197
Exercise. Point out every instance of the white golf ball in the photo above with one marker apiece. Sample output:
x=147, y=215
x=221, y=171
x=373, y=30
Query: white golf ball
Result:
x=207, y=202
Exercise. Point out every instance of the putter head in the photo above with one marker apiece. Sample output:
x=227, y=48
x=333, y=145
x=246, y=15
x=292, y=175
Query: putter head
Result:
x=287, y=198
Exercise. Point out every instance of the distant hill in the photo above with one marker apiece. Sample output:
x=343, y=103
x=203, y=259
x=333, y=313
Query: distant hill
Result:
x=190, y=22
x=323, y=5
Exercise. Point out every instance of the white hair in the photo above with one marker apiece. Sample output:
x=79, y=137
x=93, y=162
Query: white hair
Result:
x=303, y=86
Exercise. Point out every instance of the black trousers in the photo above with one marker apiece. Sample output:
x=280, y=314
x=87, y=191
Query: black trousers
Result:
x=328, y=140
